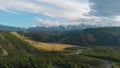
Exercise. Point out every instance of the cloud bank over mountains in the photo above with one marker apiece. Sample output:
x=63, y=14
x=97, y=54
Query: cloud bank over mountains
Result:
x=70, y=12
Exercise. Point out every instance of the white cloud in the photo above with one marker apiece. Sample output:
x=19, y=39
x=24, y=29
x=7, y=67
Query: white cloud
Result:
x=68, y=8
x=74, y=10
x=47, y=22
x=3, y=9
x=117, y=18
x=56, y=23
x=63, y=9
x=85, y=20
x=12, y=5
x=69, y=5
x=50, y=23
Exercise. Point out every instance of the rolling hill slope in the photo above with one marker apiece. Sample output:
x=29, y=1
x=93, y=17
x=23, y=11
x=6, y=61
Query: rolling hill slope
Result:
x=94, y=36
x=10, y=45
x=43, y=46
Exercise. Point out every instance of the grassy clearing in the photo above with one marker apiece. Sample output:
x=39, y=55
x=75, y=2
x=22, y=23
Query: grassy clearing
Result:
x=48, y=46
x=104, y=52
x=45, y=46
x=17, y=35
x=115, y=65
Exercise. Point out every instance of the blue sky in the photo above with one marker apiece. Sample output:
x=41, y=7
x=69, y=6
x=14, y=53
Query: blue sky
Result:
x=21, y=19
x=29, y=13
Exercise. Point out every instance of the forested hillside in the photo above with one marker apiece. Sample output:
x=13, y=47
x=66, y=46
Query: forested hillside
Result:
x=17, y=53
x=12, y=45
x=94, y=36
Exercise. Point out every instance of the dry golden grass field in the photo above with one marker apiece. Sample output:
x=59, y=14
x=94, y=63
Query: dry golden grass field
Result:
x=41, y=45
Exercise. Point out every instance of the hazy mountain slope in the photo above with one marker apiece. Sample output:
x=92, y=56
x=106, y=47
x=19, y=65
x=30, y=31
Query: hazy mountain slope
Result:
x=94, y=36
x=10, y=45
x=10, y=28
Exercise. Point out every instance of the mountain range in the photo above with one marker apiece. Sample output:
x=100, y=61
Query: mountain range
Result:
x=51, y=28
x=61, y=28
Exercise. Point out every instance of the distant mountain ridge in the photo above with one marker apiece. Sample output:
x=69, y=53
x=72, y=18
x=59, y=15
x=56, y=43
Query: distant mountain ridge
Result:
x=51, y=28
x=10, y=28
x=61, y=28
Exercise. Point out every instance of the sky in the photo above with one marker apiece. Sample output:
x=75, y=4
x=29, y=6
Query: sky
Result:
x=31, y=13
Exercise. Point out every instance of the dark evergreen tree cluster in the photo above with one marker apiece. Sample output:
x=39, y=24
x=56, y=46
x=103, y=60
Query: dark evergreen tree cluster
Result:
x=49, y=61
